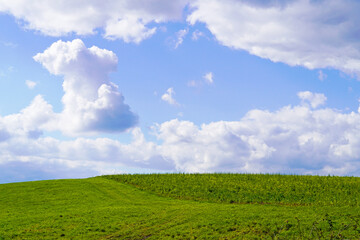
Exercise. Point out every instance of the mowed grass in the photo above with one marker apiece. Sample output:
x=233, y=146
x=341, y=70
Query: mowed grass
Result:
x=101, y=208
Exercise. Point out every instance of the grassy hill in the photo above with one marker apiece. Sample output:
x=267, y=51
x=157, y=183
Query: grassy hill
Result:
x=250, y=188
x=182, y=206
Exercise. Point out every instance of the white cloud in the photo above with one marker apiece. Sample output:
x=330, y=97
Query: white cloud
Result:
x=211, y=148
x=295, y=139
x=31, y=121
x=291, y=140
x=314, y=99
x=91, y=102
x=169, y=97
x=30, y=84
x=313, y=34
x=129, y=29
x=125, y=20
x=209, y=78
x=180, y=35
x=82, y=157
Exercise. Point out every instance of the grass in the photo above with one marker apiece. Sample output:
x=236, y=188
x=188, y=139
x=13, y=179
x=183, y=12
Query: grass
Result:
x=250, y=188
x=101, y=208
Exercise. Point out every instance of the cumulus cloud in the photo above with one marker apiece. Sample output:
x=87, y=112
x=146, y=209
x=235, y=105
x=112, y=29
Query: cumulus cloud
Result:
x=30, y=121
x=290, y=140
x=210, y=148
x=30, y=84
x=313, y=34
x=169, y=97
x=25, y=158
x=294, y=139
x=314, y=99
x=127, y=20
x=130, y=29
x=91, y=102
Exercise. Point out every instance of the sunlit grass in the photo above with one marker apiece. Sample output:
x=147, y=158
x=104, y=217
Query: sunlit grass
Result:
x=101, y=208
x=251, y=188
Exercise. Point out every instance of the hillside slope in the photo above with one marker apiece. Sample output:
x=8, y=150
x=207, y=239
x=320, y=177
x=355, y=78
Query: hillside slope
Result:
x=250, y=188
x=100, y=208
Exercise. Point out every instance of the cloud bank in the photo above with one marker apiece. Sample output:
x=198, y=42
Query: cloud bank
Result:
x=301, y=139
x=313, y=34
x=127, y=20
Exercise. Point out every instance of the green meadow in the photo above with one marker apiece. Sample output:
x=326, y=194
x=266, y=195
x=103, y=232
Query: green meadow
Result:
x=182, y=206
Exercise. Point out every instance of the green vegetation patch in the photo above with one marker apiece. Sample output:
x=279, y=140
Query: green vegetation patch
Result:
x=101, y=208
x=251, y=188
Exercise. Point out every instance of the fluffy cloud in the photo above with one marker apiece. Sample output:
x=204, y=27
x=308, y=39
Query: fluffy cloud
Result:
x=169, y=97
x=125, y=20
x=207, y=78
x=291, y=140
x=129, y=29
x=294, y=139
x=31, y=121
x=314, y=99
x=91, y=102
x=46, y=157
x=314, y=34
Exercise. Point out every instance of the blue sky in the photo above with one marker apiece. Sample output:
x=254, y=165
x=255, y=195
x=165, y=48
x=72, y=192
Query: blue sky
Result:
x=178, y=86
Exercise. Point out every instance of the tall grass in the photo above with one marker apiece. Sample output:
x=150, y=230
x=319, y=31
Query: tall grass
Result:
x=251, y=188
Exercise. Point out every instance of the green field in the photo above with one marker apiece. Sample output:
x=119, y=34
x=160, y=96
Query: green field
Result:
x=182, y=206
